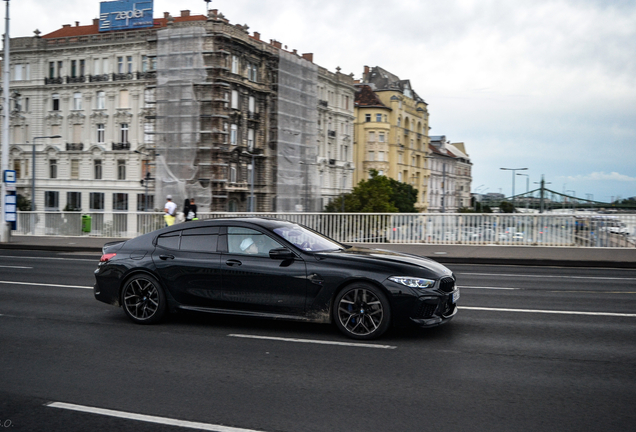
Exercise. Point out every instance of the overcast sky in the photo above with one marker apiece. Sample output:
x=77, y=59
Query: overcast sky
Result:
x=547, y=85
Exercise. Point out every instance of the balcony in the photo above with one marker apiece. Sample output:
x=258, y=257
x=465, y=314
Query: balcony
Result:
x=323, y=103
x=122, y=76
x=74, y=146
x=58, y=80
x=98, y=78
x=147, y=75
x=237, y=187
x=76, y=79
x=331, y=134
x=121, y=146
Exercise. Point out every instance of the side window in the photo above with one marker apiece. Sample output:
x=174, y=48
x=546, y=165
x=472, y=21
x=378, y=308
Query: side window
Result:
x=247, y=241
x=169, y=240
x=200, y=239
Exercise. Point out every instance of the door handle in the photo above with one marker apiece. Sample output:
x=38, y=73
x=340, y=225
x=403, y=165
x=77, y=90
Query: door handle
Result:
x=233, y=262
x=165, y=257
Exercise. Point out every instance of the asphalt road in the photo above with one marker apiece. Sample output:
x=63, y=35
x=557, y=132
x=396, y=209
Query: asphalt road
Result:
x=531, y=349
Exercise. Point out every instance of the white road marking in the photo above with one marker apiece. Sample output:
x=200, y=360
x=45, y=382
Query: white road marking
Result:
x=491, y=288
x=148, y=418
x=548, y=311
x=96, y=260
x=15, y=267
x=320, y=342
x=46, y=285
x=548, y=276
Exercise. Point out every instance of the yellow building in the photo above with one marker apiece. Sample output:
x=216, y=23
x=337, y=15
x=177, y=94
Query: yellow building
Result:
x=391, y=132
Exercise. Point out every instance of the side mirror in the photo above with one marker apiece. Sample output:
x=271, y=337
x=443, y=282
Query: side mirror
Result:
x=281, y=253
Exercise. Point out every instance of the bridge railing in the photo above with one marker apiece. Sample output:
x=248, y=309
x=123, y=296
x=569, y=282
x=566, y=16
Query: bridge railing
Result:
x=586, y=230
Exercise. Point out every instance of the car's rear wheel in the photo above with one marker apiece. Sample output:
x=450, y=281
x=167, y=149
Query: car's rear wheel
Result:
x=143, y=299
x=362, y=311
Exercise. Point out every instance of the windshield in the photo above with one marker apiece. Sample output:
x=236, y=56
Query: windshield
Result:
x=305, y=239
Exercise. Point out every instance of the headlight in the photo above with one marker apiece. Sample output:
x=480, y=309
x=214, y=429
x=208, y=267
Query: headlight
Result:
x=413, y=282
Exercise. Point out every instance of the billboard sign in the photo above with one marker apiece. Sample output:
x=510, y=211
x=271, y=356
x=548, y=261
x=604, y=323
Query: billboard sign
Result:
x=125, y=14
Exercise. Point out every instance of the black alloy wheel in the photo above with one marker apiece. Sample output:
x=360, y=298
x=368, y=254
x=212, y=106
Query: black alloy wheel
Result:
x=143, y=299
x=362, y=311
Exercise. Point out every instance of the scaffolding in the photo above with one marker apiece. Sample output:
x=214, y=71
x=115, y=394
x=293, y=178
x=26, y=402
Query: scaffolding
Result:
x=180, y=67
x=297, y=182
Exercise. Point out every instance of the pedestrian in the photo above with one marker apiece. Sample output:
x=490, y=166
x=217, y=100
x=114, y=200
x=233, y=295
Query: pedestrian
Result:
x=186, y=209
x=170, y=210
x=191, y=211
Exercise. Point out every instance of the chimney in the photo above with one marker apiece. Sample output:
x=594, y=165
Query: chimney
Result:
x=166, y=15
x=95, y=21
x=185, y=13
x=295, y=52
x=257, y=36
x=66, y=25
x=366, y=73
x=309, y=57
x=276, y=43
x=76, y=23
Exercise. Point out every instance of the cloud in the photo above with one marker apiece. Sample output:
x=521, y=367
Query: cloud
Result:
x=601, y=176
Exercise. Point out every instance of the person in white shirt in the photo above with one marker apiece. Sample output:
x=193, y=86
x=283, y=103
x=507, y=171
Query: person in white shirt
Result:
x=170, y=209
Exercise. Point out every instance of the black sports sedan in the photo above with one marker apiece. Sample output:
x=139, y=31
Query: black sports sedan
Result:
x=273, y=268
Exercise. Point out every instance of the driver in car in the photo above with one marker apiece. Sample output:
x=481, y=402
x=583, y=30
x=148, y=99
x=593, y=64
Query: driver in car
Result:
x=248, y=246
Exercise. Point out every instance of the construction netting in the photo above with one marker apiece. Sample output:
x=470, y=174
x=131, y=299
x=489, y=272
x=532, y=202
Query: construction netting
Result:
x=297, y=180
x=180, y=67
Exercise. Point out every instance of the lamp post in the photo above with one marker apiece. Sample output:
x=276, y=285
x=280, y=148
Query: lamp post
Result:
x=253, y=168
x=4, y=160
x=33, y=176
x=514, y=170
x=145, y=180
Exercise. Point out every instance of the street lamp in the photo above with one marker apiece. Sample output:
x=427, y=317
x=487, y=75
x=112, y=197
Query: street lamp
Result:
x=145, y=180
x=33, y=177
x=514, y=170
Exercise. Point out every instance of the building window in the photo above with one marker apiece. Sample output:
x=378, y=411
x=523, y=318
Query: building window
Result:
x=378, y=118
x=51, y=69
x=233, y=134
x=120, y=201
x=77, y=133
x=250, y=139
x=96, y=201
x=121, y=169
x=51, y=200
x=101, y=100
x=371, y=156
x=235, y=99
x=233, y=174
x=367, y=118
x=371, y=137
x=53, y=168
x=129, y=64
x=17, y=167
x=381, y=137
x=75, y=169
x=123, y=99
x=149, y=133
x=145, y=202
x=251, y=104
x=252, y=72
x=149, y=97
x=123, y=133
x=55, y=98
x=73, y=201
x=101, y=132
x=97, y=169
x=82, y=68
x=77, y=101
x=73, y=68
x=120, y=65
x=60, y=68
x=235, y=64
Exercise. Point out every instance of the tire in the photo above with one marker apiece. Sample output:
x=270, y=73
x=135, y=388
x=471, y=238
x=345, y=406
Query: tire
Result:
x=362, y=311
x=143, y=299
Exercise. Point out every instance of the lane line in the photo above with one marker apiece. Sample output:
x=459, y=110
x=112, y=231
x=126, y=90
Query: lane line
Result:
x=46, y=285
x=96, y=260
x=147, y=418
x=312, y=341
x=490, y=288
x=15, y=267
x=548, y=291
x=548, y=311
x=547, y=276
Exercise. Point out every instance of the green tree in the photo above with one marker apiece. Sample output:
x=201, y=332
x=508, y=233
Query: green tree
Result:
x=23, y=204
x=378, y=194
x=506, y=207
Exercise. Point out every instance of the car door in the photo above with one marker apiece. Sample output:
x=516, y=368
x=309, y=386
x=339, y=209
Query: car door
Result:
x=252, y=281
x=188, y=265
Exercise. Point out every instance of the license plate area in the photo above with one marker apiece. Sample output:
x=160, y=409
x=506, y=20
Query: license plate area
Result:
x=455, y=296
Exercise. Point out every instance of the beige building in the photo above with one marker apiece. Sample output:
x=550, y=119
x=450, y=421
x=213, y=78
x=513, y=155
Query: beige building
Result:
x=451, y=176
x=391, y=132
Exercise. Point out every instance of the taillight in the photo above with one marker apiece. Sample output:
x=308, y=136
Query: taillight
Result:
x=107, y=257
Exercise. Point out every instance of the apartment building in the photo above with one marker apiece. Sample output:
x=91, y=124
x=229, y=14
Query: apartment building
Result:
x=191, y=106
x=391, y=131
x=451, y=175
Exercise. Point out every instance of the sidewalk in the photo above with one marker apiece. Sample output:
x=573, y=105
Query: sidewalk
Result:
x=447, y=254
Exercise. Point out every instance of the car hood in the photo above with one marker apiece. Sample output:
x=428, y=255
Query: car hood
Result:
x=389, y=257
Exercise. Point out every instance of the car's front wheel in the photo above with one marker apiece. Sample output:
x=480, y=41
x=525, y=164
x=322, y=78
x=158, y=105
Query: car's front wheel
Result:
x=362, y=311
x=143, y=299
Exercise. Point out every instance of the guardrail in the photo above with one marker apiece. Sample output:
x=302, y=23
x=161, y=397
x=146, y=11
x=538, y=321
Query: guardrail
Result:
x=588, y=230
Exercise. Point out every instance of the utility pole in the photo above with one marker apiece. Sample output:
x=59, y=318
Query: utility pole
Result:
x=4, y=226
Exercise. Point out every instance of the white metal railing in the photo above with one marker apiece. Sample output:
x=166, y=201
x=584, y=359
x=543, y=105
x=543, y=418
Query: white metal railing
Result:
x=590, y=230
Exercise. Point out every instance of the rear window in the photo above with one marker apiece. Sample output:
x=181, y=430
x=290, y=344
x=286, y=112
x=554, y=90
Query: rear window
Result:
x=202, y=239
